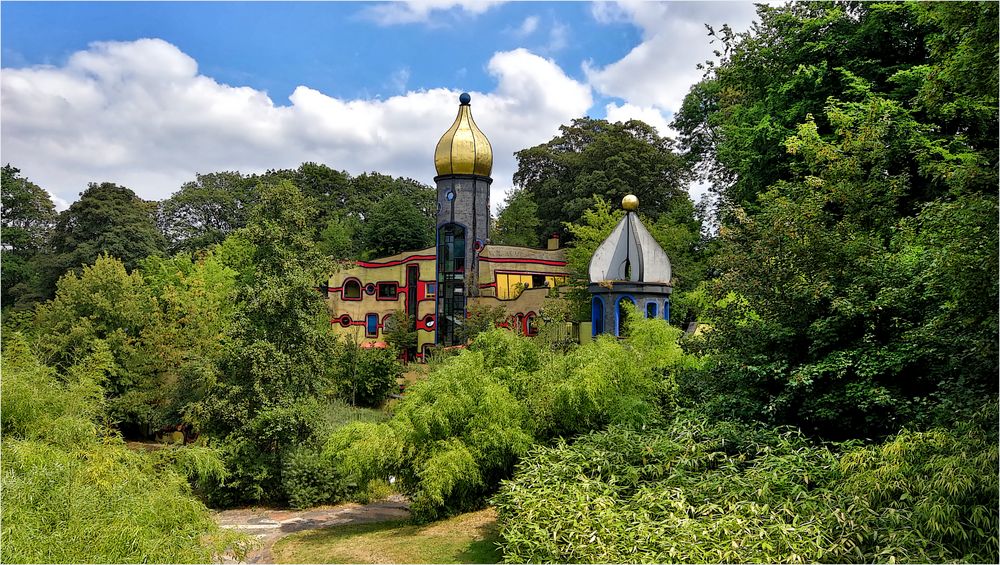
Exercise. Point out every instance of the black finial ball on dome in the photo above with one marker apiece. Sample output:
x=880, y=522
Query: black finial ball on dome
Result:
x=464, y=98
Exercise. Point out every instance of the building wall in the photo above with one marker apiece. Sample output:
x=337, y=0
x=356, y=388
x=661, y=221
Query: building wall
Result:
x=501, y=268
x=350, y=316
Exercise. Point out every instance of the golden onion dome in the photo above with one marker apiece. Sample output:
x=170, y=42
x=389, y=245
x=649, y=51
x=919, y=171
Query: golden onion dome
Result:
x=464, y=149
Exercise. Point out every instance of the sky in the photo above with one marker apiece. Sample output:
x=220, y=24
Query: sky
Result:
x=149, y=94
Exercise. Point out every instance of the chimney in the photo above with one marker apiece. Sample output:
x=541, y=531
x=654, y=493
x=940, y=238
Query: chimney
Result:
x=553, y=242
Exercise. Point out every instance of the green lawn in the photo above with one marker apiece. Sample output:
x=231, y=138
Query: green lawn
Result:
x=467, y=538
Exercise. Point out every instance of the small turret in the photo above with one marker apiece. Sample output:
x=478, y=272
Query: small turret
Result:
x=628, y=266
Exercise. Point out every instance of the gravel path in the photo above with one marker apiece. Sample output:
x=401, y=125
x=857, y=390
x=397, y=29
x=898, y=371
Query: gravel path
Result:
x=270, y=525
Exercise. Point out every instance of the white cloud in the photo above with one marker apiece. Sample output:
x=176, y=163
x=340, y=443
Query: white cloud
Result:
x=558, y=37
x=139, y=114
x=659, y=71
x=422, y=11
x=527, y=27
x=624, y=112
x=399, y=79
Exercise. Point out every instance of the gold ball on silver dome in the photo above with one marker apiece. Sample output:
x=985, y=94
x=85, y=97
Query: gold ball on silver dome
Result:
x=630, y=203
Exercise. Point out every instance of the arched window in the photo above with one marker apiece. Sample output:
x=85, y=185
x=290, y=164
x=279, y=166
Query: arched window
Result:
x=596, y=316
x=666, y=310
x=531, y=324
x=621, y=314
x=651, y=310
x=352, y=290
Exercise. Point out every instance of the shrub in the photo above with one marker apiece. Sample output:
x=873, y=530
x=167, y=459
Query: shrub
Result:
x=608, y=381
x=73, y=493
x=462, y=430
x=255, y=453
x=308, y=478
x=694, y=492
x=366, y=377
x=670, y=495
x=929, y=496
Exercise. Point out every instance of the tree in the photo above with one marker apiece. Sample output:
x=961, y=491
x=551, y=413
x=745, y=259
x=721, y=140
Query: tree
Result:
x=204, y=211
x=596, y=158
x=396, y=224
x=786, y=67
x=343, y=206
x=162, y=328
x=856, y=171
x=106, y=307
x=279, y=351
x=106, y=219
x=850, y=319
x=339, y=239
x=28, y=216
x=518, y=222
x=400, y=332
x=330, y=191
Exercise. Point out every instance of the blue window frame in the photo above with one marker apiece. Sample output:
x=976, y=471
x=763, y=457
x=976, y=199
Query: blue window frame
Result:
x=597, y=317
x=666, y=310
x=371, y=325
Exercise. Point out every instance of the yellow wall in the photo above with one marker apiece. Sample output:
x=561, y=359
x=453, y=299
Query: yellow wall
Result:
x=388, y=269
x=501, y=268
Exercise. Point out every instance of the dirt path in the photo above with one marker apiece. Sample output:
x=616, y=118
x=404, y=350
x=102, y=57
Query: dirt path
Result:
x=270, y=525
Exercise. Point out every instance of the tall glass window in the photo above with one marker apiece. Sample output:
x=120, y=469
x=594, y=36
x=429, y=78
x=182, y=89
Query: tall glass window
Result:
x=371, y=325
x=451, y=283
x=666, y=310
x=650, y=310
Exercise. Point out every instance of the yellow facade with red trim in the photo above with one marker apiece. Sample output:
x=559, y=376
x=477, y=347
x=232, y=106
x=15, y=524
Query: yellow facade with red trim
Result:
x=361, y=299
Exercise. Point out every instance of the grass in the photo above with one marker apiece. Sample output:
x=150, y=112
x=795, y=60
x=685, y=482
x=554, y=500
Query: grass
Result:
x=466, y=538
x=338, y=413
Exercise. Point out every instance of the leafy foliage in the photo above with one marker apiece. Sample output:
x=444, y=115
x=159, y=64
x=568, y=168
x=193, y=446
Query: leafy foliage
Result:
x=204, y=211
x=701, y=493
x=518, y=221
x=831, y=310
x=73, y=493
x=28, y=216
x=396, y=224
x=457, y=433
x=278, y=352
x=607, y=160
x=366, y=377
x=107, y=219
x=400, y=332
x=161, y=329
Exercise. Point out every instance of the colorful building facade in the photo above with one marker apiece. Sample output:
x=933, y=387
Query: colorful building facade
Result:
x=437, y=286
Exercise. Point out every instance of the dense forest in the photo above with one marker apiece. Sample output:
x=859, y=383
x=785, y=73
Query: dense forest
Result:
x=838, y=404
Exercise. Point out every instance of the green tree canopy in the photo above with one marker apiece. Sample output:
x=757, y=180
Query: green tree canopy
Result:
x=204, y=211
x=939, y=59
x=279, y=351
x=597, y=158
x=858, y=247
x=28, y=216
x=518, y=221
x=106, y=219
x=395, y=224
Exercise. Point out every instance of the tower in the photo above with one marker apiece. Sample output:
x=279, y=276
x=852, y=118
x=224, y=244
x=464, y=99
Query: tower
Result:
x=463, y=159
x=629, y=266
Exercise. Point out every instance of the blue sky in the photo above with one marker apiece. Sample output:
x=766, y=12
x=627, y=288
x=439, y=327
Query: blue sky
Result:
x=149, y=93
